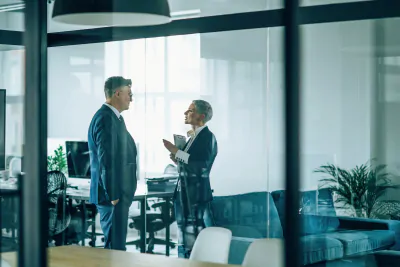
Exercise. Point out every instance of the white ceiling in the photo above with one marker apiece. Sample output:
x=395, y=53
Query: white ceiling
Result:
x=9, y=2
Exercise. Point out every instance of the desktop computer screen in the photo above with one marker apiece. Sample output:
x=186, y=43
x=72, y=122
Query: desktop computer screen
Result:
x=78, y=159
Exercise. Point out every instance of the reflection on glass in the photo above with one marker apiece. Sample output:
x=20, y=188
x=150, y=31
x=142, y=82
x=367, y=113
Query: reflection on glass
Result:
x=242, y=83
x=11, y=143
x=183, y=63
x=350, y=175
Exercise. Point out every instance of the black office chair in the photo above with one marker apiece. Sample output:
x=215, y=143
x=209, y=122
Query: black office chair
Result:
x=59, y=216
x=155, y=221
x=91, y=212
x=74, y=233
x=9, y=223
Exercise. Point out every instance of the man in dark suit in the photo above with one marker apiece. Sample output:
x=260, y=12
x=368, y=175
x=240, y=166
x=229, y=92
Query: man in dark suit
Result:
x=113, y=163
x=193, y=193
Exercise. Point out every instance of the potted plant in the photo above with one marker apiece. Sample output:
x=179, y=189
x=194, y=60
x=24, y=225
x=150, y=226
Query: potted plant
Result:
x=361, y=189
x=58, y=161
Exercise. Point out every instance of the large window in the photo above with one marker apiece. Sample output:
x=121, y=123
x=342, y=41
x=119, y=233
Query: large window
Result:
x=168, y=73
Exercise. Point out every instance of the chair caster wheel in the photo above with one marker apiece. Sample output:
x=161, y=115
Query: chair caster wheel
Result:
x=102, y=239
x=91, y=244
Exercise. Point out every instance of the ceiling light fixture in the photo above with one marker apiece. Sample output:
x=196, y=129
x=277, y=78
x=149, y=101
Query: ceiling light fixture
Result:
x=112, y=12
x=186, y=14
x=12, y=7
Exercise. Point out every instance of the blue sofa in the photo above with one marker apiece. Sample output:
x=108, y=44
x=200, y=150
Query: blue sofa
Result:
x=325, y=236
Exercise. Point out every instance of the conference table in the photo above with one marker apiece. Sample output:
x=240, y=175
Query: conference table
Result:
x=66, y=256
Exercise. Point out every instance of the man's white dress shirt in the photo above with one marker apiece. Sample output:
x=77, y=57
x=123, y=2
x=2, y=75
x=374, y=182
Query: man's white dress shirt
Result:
x=114, y=110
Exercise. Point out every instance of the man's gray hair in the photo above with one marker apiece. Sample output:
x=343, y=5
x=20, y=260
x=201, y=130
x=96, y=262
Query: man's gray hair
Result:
x=113, y=83
x=203, y=107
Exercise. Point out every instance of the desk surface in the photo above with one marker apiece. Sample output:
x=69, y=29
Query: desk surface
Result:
x=67, y=256
x=83, y=194
x=141, y=193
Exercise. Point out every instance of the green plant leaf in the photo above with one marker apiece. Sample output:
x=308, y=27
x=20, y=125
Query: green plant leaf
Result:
x=359, y=188
x=58, y=161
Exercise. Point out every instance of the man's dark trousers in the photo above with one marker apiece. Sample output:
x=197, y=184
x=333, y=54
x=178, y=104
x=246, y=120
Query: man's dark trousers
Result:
x=114, y=223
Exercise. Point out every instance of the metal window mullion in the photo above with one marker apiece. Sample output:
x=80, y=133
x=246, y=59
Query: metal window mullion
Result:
x=292, y=133
x=35, y=216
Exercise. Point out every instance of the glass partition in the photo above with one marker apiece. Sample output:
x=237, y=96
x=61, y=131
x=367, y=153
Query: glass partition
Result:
x=243, y=84
x=349, y=209
x=12, y=96
x=350, y=179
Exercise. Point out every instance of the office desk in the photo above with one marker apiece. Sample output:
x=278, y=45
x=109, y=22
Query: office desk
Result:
x=67, y=256
x=141, y=195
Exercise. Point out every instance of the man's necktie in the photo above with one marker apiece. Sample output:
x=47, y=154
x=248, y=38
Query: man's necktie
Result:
x=122, y=121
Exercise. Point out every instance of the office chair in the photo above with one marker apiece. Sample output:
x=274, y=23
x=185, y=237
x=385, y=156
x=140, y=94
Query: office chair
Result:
x=91, y=212
x=155, y=221
x=15, y=165
x=75, y=232
x=9, y=223
x=59, y=216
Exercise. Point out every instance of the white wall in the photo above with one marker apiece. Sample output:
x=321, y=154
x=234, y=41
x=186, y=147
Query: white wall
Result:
x=12, y=21
x=75, y=82
x=336, y=81
x=336, y=101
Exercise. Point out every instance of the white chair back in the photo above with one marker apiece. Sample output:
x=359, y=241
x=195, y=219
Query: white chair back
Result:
x=212, y=245
x=265, y=253
x=15, y=167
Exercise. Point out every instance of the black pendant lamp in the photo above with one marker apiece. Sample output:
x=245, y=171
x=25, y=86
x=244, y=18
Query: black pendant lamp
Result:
x=112, y=12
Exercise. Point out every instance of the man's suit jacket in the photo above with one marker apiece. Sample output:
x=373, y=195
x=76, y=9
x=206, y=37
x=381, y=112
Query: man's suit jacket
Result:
x=202, y=152
x=112, y=159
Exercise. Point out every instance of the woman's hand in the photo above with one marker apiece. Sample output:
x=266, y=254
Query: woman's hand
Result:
x=172, y=157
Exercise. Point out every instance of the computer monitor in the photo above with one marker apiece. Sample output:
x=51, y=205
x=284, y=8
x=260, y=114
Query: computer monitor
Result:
x=78, y=159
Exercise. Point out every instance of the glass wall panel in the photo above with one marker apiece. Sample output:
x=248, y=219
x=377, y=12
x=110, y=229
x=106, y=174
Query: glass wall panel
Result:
x=349, y=159
x=243, y=84
x=11, y=137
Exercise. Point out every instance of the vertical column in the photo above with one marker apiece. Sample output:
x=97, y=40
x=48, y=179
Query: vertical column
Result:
x=292, y=133
x=34, y=220
x=378, y=117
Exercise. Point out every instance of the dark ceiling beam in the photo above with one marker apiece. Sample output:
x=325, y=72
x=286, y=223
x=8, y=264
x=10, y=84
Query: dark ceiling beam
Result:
x=11, y=37
x=251, y=20
x=350, y=11
x=219, y=23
